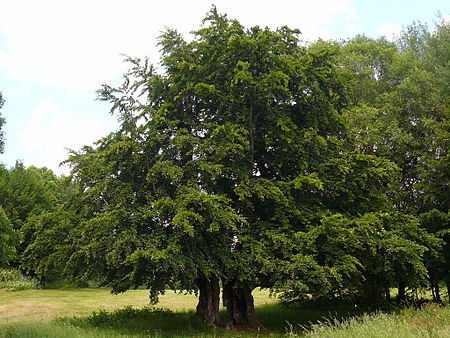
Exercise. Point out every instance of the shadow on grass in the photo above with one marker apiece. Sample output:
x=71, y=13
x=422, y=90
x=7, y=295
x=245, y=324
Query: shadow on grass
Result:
x=159, y=322
x=301, y=316
x=148, y=321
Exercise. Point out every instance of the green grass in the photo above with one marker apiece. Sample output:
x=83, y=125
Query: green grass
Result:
x=430, y=321
x=98, y=313
x=40, y=305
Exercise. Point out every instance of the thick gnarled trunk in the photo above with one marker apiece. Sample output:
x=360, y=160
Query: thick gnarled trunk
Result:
x=240, y=307
x=209, y=301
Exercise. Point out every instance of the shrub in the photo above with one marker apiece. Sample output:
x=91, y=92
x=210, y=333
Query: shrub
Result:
x=12, y=279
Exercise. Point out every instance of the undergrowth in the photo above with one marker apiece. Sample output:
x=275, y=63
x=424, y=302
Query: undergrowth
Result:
x=430, y=321
x=12, y=279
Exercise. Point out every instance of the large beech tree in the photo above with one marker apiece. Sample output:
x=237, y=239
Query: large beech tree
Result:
x=200, y=174
x=232, y=168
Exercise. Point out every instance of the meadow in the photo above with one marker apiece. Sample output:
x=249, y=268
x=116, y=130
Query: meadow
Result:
x=95, y=312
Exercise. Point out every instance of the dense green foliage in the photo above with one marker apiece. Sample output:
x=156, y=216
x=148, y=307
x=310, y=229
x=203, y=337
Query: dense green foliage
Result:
x=208, y=167
x=8, y=240
x=27, y=192
x=25, y=195
x=8, y=237
x=400, y=112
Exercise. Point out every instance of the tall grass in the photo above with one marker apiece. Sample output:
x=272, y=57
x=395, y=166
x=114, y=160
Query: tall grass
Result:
x=12, y=279
x=430, y=321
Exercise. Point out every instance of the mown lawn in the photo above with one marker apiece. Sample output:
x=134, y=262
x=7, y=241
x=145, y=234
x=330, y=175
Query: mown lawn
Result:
x=69, y=313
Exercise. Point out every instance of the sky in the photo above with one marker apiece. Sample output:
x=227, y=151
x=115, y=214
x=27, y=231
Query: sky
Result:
x=54, y=55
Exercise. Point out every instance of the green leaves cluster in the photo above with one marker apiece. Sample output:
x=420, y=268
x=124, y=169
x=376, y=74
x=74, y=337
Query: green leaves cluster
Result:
x=406, y=118
x=8, y=240
x=25, y=194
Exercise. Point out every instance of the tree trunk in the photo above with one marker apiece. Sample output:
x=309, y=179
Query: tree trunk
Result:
x=372, y=292
x=240, y=307
x=448, y=290
x=387, y=293
x=207, y=310
x=437, y=293
x=401, y=297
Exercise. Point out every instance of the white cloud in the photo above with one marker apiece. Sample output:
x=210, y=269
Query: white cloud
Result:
x=50, y=131
x=445, y=19
x=390, y=30
x=77, y=44
x=15, y=92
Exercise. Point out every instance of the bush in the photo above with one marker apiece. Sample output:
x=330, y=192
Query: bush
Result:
x=12, y=279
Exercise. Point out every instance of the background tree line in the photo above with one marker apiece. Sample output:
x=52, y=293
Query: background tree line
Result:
x=253, y=159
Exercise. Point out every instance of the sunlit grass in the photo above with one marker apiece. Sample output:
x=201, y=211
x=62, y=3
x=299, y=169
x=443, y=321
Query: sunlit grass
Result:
x=41, y=305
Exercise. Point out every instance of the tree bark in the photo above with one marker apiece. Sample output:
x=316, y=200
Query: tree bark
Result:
x=372, y=292
x=207, y=310
x=401, y=297
x=241, y=313
x=387, y=293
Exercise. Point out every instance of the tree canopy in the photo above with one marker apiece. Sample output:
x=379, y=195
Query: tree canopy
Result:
x=24, y=193
x=8, y=237
x=406, y=118
x=8, y=240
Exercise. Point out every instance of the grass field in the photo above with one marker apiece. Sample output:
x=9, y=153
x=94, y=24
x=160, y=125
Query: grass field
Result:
x=42, y=305
x=69, y=313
